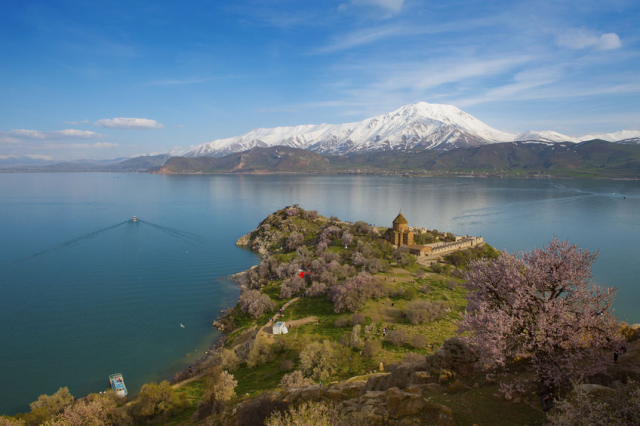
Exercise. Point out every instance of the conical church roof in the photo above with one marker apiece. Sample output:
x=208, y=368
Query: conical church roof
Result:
x=400, y=219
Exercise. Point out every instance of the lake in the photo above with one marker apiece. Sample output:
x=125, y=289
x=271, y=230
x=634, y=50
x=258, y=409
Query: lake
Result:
x=85, y=292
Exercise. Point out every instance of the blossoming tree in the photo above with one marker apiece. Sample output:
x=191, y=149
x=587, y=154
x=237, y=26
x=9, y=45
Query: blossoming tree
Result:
x=542, y=307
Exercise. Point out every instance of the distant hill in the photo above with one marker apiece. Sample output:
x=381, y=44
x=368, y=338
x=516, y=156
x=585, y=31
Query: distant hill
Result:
x=273, y=159
x=596, y=158
x=137, y=164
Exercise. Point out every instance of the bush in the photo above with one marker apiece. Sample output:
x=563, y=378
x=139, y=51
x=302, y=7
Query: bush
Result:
x=425, y=289
x=397, y=337
x=310, y=214
x=410, y=293
x=255, y=303
x=358, y=319
x=47, y=406
x=317, y=289
x=259, y=354
x=295, y=240
x=319, y=414
x=371, y=348
x=418, y=341
x=228, y=359
x=219, y=386
x=353, y=293
x=402, y=256
x=157, y=400
x=93, y=410
x=295, y=380
x=321, y=360
x=420, y=311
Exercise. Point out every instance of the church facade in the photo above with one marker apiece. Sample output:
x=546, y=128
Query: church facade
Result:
x=399, y=234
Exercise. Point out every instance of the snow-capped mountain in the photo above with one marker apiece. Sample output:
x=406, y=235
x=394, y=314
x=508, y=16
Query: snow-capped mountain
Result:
x=612, y=137
x=420, y=125
x=545, y=136
x=413, y=126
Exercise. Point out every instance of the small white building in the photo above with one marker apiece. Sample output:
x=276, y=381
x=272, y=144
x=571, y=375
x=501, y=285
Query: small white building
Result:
x=280, y=328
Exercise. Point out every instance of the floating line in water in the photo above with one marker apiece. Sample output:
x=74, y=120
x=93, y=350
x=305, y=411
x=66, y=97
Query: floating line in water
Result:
x=188, y=236
x=71, y=242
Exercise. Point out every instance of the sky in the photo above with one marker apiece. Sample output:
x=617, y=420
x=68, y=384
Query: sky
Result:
x=102, y=80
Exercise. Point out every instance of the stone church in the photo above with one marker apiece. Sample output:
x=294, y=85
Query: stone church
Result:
x=399, y=234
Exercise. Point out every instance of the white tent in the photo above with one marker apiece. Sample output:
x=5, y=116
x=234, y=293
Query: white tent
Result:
x=280, y=328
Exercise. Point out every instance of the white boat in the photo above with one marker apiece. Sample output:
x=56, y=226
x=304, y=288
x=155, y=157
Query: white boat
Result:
x=135, y=218
x=182, y=325
x=117, y=383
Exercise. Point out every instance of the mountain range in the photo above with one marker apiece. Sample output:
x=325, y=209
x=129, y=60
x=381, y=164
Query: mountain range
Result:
x=417, y=126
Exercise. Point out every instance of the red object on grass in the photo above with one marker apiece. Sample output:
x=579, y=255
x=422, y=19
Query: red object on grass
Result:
x=301, y=274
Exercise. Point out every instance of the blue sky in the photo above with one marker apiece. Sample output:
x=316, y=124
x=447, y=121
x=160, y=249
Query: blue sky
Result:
x=92, y=79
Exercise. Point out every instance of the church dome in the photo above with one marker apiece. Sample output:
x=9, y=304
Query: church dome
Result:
x=400, y=220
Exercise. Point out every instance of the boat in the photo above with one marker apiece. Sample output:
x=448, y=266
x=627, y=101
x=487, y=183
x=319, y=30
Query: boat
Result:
x=182, y=325
x=135, y=218
x=117, y=383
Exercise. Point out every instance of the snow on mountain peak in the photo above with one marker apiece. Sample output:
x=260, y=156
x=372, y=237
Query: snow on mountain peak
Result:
x=421, y=125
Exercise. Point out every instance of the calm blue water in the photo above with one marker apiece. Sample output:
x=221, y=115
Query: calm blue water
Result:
x=84, y=292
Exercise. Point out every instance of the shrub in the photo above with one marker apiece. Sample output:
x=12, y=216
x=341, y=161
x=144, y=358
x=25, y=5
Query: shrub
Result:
x=347, y=239
x=219, y=386
x=319, y=414
x=317, y=289
x=418, y=341
x=92, y=410
x=157, y=400
x=259, y=354
x=353, y=293
x=321, y=360
x=420, y=311
x=227, y=359
x=47, y=406
x=425, y=288
x=295, y=380
x=310, y=214
x=402, y=256
x=358, y=319
x=255, y=303
x=371, y=348
x=410, y=293
x=295, y=240
x=397, y=337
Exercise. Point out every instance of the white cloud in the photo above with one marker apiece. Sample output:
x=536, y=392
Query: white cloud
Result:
x=129, y=123
x=8, y=139
x=97, y=145
x=75, y=123
x=580, y=38
x=394, y=6
x=56, y=134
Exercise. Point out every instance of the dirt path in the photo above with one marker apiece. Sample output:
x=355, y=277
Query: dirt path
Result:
x=274, y=319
